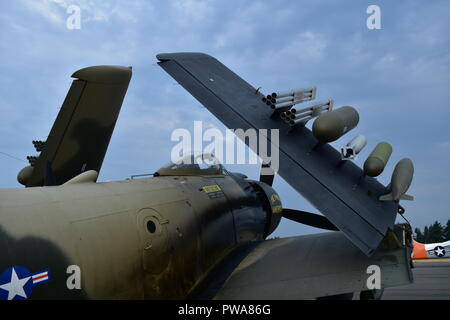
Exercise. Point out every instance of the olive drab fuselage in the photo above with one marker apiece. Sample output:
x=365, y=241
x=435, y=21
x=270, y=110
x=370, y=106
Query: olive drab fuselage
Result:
x=141, y=238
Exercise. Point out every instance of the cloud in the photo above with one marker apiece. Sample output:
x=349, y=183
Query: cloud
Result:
x=191, y=10
x=56, y=11
x=386, y=61
x=47, y=9
x=444, y=145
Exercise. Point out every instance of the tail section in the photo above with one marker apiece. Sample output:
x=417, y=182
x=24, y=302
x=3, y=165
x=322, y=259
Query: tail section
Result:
x=81, y=132
x=419, y=251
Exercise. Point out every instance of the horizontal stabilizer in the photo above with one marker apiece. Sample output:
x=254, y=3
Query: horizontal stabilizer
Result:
x=88, y=176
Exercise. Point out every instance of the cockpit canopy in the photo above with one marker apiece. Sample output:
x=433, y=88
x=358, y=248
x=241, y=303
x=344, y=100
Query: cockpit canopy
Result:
x=193, y=165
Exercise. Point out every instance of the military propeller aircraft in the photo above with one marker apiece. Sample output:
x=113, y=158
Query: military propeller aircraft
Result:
x=201, y=232
x=431, y=250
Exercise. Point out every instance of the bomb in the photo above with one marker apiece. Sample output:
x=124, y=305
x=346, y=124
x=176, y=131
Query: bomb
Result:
x=377, y=160
x=400, y=181
x=330, y=126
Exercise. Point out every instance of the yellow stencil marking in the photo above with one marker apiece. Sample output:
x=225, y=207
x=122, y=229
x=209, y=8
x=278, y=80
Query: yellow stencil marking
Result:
x=211, y=188
x=274, y=198
x=277, y=209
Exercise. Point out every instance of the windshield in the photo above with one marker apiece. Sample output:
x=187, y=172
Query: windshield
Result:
x=200, y=164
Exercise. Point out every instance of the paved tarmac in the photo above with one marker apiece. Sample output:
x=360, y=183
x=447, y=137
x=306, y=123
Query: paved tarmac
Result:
x=431, y=282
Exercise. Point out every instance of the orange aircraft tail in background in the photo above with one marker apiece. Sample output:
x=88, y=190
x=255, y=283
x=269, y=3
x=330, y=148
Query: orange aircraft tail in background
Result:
x=431, y=250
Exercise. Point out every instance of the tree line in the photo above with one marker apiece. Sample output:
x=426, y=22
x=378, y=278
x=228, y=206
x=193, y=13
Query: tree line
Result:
x=435, y=232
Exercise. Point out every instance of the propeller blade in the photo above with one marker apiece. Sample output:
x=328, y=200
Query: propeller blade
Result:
x=267, y=178
x=308, y=218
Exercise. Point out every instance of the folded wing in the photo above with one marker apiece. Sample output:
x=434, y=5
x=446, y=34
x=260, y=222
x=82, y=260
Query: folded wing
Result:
x=336, y=190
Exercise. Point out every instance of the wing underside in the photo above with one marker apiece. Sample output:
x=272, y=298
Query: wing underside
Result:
x=318, y=174
x=306, y=267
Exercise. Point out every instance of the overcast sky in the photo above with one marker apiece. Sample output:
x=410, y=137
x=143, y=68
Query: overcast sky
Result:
x=397, y=77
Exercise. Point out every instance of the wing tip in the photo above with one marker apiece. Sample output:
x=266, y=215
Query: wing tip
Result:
x=104, y=74
x=181, y=55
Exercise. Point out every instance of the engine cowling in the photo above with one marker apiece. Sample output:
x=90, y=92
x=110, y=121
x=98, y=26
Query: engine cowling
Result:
x=271, y=203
